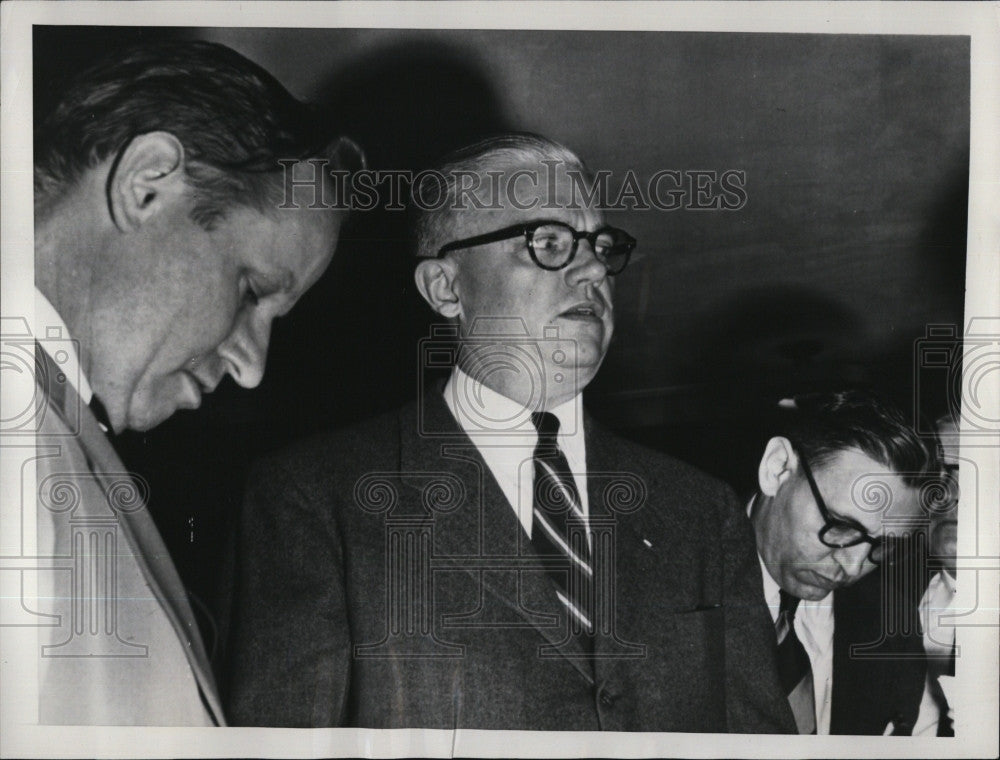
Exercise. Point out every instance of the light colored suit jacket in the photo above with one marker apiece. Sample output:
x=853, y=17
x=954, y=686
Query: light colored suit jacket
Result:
x=123, y=647
x=384, y=581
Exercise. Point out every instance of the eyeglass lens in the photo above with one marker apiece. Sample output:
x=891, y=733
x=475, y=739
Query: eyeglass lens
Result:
x=553, y=245
x=843, y=536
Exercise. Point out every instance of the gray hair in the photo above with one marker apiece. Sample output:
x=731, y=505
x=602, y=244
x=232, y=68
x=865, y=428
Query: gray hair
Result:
x=501, y=153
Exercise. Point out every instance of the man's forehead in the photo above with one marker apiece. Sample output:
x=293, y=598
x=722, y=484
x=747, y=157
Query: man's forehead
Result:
x=289, y=247
x=856, y=486
x=529, y=191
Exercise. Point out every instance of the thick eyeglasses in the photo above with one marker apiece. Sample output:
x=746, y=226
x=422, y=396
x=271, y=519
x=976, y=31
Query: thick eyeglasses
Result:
x=553, y=245
x=841, y=533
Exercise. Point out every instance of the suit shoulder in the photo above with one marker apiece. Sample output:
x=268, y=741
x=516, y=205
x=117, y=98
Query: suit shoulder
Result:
x=362, y=445
x=657, y=465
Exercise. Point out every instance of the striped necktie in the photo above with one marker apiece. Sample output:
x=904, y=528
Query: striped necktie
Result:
x=794, y=669
x=559, y=528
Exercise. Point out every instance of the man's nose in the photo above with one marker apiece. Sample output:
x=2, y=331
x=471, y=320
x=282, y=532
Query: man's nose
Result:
x=853, y=560
x=585, y=267
x=245, y=349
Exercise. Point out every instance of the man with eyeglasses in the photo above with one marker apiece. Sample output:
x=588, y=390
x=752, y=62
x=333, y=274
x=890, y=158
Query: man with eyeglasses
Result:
x=839, y=496
x=490, y=557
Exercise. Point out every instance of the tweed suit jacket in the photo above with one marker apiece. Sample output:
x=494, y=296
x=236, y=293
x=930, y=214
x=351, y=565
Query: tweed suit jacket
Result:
x=384, y=581
x=122, y=646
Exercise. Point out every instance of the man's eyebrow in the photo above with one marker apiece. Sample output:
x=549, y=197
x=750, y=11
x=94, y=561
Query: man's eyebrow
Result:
x=847, y=520
x=836, y=515
x=288, y=286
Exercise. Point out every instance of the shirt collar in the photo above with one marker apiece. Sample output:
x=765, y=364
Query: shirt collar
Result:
x=50, y=331
x=772, y=591
x=948, y=580
x=484, y=413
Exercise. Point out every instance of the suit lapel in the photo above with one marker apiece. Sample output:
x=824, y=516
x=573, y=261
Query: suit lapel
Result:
x=615, y=492
x=485, y=527
x=140, y=531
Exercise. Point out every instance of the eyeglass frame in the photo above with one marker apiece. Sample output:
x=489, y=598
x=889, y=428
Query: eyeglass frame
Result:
x=527, y=229
x=831, y=521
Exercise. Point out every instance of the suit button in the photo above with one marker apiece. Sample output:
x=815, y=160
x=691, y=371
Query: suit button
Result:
x=607, y=699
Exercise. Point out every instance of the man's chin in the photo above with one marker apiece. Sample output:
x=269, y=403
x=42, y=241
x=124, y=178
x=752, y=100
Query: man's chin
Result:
x=586, y=350
x=567, y=382
x=142, y=420
x=814, y=594
x=812, y=590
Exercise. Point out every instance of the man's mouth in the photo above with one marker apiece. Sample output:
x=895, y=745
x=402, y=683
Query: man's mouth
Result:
x=826, y=583
x=192, y=398
x=584, y=310
x=198, y=387
x=205, y=385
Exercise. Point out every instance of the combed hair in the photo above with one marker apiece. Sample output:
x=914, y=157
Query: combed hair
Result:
x=233, y=118
x=822, y=424
x=502, y=153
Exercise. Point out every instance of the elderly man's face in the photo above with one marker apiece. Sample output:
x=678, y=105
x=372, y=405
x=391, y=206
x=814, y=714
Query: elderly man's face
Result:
x=500, y=280
x=192, y=305
x=788, y=524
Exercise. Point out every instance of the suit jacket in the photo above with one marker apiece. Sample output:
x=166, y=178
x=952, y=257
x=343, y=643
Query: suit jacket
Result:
x=384, y=581
x=121, y=646
x=882, y=680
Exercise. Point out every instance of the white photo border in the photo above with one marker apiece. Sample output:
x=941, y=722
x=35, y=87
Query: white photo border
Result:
x=977, y=711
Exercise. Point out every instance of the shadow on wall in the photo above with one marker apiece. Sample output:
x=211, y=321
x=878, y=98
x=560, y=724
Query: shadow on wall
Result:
x=352, y=341
x=943, y=260
x=412, y=102
x=762, y=346
x=755, y=348
x=778, y=340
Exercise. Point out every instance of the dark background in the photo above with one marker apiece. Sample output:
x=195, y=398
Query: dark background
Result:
x=852, y=242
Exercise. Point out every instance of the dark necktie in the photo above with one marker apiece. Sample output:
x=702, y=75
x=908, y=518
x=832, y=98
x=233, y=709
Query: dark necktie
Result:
x=794, y=669
x=98, y=410
x=937, y=667
x=559, y=529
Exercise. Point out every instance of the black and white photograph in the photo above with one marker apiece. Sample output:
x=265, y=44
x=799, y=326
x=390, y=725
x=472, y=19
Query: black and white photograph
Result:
x=500, y=379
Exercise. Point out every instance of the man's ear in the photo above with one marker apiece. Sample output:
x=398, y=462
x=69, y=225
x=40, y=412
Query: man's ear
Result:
x=149, y=173
x=436, y=282
x=776, y=466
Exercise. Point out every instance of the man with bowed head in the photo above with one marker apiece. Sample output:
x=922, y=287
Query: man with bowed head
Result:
x=468, y=561
x=162, y=258
x=839, y=491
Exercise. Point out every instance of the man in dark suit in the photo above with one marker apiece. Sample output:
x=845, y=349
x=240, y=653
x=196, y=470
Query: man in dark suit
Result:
x=839, y=496
x=490, y=557
x=161, y=260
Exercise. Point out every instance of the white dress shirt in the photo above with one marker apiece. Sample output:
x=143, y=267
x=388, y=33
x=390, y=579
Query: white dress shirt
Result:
x=814, y=627
x=939, y=638
x=503, y=433
x=53, y=335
